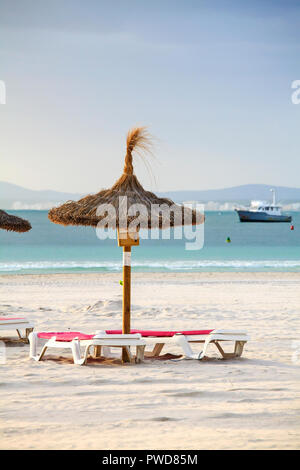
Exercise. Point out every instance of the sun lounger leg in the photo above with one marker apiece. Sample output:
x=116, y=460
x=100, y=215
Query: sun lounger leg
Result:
x=238, y=348
x=155, y=351
x=140, y=352
x=19, y=334
x=75, y=346
x=24, y=339
x=27, y=333
x=203, y=352
x=127, y=354
x=40, y=357
x=33, y=340
x=188, y=352
x=97, y=351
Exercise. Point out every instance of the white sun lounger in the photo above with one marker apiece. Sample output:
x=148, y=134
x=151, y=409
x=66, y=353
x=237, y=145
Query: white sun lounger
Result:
x=18, y=324
x=185, y=339
x=75, y=340
x=215, y=337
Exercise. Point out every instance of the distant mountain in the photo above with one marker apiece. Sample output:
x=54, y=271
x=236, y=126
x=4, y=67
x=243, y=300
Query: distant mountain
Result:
x=12, y=191
x=16, y=197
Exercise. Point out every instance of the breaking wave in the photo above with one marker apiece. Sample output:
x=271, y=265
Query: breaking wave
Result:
x=162, y=265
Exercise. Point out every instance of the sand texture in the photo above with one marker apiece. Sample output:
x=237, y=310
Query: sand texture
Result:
x=252, y=402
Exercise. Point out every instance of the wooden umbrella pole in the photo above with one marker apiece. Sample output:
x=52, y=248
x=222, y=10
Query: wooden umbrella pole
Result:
x=126, y=288
x=126, y=296
x=127, y=241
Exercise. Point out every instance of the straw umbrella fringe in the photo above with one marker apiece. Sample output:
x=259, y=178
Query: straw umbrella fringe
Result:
x=13, y=223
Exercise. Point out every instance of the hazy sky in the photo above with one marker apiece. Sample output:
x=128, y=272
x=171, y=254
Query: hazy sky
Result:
x=211, y=79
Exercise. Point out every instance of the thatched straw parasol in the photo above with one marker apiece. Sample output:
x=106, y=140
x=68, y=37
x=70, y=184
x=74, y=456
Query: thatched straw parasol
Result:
x=13, y=223
x=113, y=208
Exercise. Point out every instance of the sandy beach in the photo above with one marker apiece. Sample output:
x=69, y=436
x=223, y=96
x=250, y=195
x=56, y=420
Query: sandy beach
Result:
x=247, y=403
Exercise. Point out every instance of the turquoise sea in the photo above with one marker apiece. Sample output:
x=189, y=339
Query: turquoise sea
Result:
x=50, y=248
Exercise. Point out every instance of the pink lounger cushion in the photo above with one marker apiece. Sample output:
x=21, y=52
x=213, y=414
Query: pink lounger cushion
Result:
x=65, y=336
x=162, y=334
x=11, y=318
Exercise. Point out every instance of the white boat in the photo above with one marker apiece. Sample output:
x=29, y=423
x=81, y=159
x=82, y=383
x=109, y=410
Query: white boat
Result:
x=261, y=211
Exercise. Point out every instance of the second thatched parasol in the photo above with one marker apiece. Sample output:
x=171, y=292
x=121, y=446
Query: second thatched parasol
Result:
x=12, y=223
x=113, y=208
